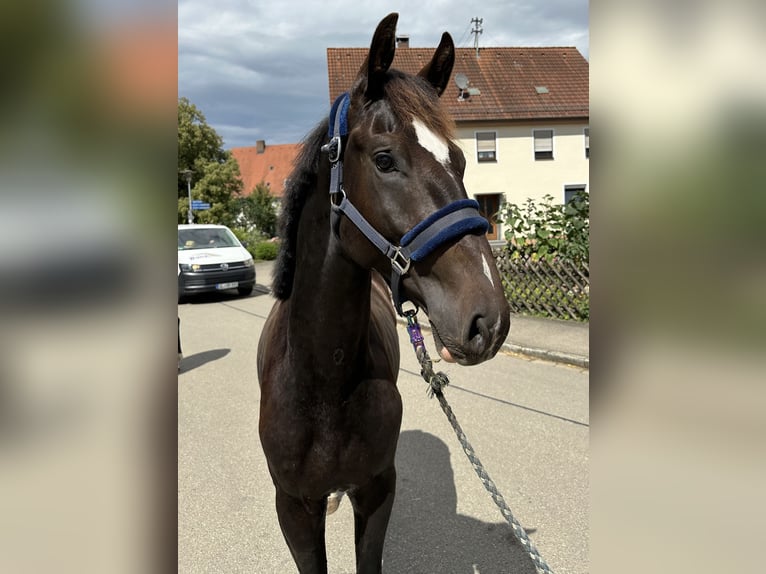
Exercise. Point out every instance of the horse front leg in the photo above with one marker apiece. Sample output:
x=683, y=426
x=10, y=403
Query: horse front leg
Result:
x=372, y=509
x=303, y=526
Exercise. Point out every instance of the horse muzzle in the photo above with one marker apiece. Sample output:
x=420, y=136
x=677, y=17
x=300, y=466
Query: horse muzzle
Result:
x=477, y=341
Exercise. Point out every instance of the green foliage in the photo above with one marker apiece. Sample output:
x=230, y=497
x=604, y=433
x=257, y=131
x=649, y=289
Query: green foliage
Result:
x=196, y=139
x=259, y=246
x=215, y=173
x=258, y=210
x=243, y=235
x=266, y=250
x=548, y=231
x=544, y=239
x=249, y=237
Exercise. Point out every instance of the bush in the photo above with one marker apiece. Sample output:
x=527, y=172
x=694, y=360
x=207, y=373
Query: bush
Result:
x=250, y=238
x=544, y=262
x=265, y=250
x=548, y=231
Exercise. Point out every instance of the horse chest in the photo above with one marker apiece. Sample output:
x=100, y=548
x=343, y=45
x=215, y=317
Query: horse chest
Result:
x=332, y=444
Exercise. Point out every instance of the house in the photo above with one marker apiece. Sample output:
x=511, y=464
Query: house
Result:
x=270, y=165
x=522, y=118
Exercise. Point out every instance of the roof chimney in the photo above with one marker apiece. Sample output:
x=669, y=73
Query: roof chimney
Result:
x=260, y=146
x=403, y=41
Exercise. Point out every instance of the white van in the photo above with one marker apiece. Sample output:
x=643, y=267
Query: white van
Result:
x=211, y=258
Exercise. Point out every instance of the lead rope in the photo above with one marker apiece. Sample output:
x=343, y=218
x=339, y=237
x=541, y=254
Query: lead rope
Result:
x=437, y=382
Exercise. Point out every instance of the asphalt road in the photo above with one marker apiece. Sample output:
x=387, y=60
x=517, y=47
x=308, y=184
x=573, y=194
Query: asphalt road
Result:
x=527, y=420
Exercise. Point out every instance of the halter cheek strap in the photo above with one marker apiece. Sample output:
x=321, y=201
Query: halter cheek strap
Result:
x=449, y=223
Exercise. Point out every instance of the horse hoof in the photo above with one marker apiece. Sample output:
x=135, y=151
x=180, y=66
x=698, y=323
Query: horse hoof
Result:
x=333, y=501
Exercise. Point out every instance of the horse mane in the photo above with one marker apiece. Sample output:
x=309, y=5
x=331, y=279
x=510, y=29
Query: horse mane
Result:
x=301, y=182
x=409, y=97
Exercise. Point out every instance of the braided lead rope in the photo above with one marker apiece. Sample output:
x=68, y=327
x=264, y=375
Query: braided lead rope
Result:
x=436, y=382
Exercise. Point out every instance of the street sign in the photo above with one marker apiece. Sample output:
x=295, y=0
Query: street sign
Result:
x=200, y=205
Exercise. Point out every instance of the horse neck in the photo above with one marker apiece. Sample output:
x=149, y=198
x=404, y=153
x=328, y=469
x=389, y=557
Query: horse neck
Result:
x=330, y=301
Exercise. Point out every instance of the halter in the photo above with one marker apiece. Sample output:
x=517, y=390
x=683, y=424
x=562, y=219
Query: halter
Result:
x=451, y=222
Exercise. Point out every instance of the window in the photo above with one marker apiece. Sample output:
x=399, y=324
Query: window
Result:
x=489, y=205
x=206, y=237
x=485, y=146
x=571, y=190
x=587, y=142
x=543, y=144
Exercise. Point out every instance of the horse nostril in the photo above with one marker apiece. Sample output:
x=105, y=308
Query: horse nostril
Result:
x=478, y=331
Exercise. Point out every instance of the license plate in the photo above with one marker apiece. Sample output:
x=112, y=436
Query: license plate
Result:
x=227, y=285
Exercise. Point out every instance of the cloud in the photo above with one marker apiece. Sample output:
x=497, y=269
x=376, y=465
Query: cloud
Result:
x=259, y=68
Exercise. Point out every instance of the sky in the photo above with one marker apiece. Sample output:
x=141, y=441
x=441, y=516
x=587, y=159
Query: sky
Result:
x=257, y=69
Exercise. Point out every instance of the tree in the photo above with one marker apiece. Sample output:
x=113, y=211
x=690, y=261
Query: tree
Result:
x=258, y=210
x=215, y=173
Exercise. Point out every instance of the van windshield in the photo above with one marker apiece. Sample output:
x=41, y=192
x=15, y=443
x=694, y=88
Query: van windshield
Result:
x=205, y=238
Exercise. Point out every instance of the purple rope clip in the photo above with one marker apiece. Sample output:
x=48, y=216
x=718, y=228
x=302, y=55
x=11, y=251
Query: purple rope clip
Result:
x=413, y=328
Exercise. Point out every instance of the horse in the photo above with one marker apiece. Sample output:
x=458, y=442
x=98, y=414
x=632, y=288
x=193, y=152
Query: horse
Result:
x=376, y=192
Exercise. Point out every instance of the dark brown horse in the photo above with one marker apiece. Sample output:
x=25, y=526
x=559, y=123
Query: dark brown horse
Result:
x=382, y=173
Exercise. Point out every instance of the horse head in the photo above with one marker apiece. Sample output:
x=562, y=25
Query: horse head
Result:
x=402, y=165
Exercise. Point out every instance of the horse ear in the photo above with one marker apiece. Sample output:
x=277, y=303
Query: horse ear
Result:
x=438, y=70
x=381, y=55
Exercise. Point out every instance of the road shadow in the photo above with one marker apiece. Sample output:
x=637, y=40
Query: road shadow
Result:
x=198, y=359
x=223, y=296
x=426, y=535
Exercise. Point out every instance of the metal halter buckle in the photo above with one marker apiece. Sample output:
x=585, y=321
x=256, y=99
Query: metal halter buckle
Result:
x=333, y=149
x=404, y=266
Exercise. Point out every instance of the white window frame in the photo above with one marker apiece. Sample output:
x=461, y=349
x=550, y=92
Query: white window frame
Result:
x=476, y=146
x=553, y=151
x=586, y=141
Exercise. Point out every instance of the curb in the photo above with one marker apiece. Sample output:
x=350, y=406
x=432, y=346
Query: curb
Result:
x=531, y=352
x=546, y=355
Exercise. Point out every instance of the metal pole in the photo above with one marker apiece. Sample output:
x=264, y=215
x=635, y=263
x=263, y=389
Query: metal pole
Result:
x=476, y=31
x=187, y=173
x=188, y=186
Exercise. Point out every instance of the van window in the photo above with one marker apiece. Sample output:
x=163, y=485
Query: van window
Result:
x=206, y=238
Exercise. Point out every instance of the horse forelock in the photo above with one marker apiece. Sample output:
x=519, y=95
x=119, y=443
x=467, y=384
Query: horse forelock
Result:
x=412, y=98
x=301, y=182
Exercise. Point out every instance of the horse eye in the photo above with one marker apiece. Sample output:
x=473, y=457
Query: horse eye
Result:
x=384, y=162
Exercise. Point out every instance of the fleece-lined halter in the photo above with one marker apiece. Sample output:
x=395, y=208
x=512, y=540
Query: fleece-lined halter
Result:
x=451, y=222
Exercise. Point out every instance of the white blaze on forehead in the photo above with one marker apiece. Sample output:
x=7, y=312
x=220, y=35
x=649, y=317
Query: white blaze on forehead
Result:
x=432, y=142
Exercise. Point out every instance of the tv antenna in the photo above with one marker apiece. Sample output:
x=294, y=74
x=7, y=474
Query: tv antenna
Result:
x=462, y=82
x=476, y=31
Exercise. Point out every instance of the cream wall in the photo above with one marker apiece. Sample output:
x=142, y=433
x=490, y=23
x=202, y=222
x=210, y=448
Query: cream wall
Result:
x=516, y=175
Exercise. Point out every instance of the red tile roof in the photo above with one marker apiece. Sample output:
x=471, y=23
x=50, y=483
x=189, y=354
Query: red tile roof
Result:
x=506, y=77
x=271, y=167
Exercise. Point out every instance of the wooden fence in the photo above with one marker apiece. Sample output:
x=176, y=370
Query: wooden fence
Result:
x=559, y=289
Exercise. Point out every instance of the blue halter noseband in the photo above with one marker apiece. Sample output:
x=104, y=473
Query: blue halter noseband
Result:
x=451, y=222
